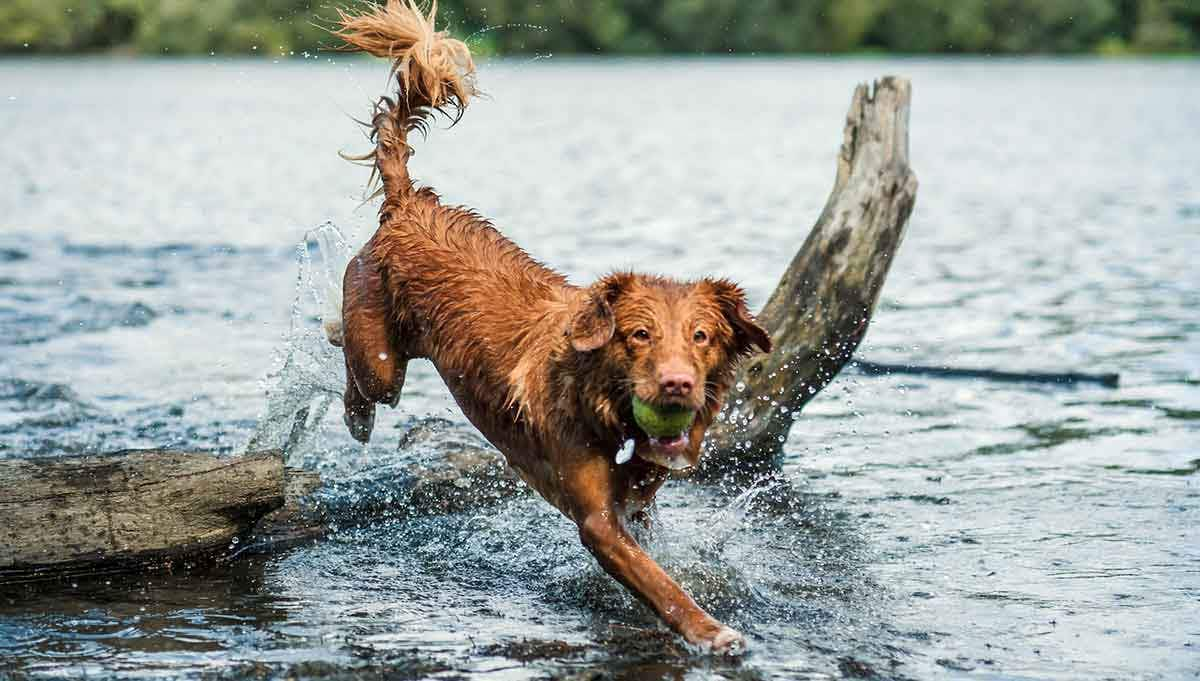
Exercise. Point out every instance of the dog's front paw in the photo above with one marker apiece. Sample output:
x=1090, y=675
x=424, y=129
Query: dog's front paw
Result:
x=721, y=640
x=728, y=641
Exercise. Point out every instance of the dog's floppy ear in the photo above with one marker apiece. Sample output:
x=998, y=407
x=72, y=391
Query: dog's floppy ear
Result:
x=746, y=331
x=593, y=323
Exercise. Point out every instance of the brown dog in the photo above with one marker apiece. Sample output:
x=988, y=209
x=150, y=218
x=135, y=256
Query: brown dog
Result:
x=547, y=371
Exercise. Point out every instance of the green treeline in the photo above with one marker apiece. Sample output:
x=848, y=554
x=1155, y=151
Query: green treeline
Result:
x=272, y=27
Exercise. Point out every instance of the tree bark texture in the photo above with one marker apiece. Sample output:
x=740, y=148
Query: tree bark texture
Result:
x=89, y=515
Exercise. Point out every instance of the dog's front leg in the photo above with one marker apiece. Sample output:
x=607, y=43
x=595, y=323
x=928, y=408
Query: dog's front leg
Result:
x=620, y=555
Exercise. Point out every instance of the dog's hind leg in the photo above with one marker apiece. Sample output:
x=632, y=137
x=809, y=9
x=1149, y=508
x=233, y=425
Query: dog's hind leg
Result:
x=375, y=361
x=375, y=367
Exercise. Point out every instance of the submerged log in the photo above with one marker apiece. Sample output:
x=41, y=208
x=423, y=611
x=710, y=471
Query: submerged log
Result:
x=90, y=515
x=822, y=305
x=436, y=469
x=296, y=521
x=1108, y=380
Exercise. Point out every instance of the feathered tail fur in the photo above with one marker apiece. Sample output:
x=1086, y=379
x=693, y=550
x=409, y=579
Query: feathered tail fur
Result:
x=434, y=73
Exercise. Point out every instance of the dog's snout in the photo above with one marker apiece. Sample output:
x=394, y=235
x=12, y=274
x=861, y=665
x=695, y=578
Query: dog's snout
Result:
x=676, y=383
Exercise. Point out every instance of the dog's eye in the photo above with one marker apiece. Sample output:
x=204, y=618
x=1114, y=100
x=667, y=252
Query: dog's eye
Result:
x=641, y=335
x=700, y=337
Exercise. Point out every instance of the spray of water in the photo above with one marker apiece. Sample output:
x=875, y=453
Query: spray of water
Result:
x=477, y=35
x=473, y=40
x=311, y=371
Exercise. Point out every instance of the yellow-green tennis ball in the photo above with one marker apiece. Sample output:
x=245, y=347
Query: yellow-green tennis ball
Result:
x=658, y=421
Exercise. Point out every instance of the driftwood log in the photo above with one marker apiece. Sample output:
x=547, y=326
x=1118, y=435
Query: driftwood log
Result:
x=822, y=305
x=90, y=515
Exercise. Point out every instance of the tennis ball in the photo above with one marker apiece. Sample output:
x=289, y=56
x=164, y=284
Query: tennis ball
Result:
x=662, y=421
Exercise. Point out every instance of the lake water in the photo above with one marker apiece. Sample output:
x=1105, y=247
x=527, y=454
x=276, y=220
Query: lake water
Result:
x=150, y=214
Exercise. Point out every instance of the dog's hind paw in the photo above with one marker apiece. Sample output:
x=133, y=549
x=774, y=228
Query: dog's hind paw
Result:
x=360, y=425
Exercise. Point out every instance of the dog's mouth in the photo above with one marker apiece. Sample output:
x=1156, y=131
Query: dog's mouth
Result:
x=668, y=452
x=665, y=428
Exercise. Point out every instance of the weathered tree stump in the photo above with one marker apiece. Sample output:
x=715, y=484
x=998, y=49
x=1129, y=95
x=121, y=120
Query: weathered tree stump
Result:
x=820, y=310
x=89, y=515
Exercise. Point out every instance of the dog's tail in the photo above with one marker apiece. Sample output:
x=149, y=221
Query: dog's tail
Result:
x=434, y=72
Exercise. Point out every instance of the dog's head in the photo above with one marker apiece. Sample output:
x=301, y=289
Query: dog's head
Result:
x=668, y=348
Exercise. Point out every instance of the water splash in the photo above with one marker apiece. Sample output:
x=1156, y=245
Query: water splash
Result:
x=474, y=37
x=311, y=374
x=733, y=516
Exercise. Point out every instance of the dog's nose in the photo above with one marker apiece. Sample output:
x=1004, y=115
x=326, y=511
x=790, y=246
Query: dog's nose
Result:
x=676, y=384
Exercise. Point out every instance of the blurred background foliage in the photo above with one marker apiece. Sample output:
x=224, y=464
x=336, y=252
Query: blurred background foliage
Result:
x=272, y=27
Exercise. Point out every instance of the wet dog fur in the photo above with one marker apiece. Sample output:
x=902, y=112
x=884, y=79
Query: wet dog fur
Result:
x=546, y=370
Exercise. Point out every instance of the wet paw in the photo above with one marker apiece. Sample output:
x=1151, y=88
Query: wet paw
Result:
x=360, y=425
x=722, y=641
x=728, y=641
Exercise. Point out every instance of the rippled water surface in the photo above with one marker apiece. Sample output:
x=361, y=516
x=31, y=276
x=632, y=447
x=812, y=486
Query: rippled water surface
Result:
x=150, y=217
